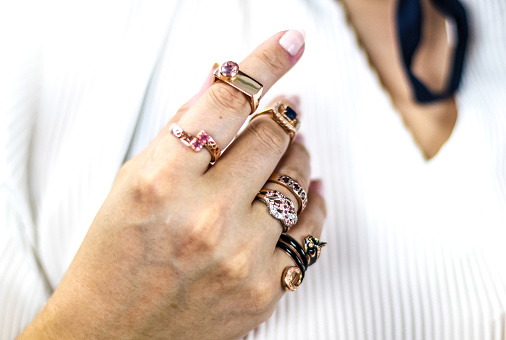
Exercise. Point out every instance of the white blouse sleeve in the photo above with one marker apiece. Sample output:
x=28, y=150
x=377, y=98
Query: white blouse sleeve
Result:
x=23, y=291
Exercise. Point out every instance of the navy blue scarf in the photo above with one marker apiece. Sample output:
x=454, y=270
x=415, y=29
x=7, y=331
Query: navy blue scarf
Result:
x=409, y=28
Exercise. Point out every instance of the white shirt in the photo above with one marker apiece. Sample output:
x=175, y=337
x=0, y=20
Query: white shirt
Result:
x=415, y=247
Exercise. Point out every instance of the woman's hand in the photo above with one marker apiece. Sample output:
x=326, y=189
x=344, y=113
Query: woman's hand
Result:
x=181, y=250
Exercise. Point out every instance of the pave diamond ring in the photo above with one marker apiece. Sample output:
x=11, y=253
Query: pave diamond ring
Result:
x=280, y=207
x=293, y=186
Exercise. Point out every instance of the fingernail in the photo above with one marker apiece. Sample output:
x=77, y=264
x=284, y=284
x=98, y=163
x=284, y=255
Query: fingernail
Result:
x=299, y=138
x=292, y=41
x=317, y=185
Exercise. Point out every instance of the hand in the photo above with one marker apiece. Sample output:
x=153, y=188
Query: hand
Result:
x=181, y=250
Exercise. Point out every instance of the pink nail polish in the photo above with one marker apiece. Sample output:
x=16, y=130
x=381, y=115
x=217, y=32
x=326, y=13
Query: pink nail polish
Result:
x=292, y=41
x=317, y=185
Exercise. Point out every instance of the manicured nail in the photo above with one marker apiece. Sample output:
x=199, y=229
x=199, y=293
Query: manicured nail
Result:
x=317, y=185
x=292, y=41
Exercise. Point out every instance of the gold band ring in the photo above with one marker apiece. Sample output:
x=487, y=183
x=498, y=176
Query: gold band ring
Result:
x=293, y=186
x=230, y=74
x=196, y=143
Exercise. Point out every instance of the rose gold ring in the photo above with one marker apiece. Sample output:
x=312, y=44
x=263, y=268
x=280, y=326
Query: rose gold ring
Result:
x=230, y=74
x=284, y=116
x=196, y=143
x=291, y=278
x=293, y=186
x=313, y=248
x=280, y=207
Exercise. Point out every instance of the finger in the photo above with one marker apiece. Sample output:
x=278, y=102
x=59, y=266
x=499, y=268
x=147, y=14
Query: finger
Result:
x=186, y=106
x=292, y=174
x=222, y=110
x=310, y=223
x=257, y=152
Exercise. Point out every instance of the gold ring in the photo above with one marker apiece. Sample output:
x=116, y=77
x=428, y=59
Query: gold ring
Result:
x=313, y=248
x=230, y=74
x=196, y=143
x=284, y=116
x=280, y=207
x=293, y=186
x=291, y=278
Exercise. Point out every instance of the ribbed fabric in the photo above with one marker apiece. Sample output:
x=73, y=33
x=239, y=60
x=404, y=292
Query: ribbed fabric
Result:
x=416, y=248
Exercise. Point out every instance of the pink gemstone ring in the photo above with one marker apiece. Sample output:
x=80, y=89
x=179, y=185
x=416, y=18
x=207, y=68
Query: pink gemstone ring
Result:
x=280, y=207
x=230, y=74
x=196, y=143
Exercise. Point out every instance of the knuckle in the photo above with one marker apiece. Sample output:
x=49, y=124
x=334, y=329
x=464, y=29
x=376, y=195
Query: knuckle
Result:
x=271, y=137
x=147, y=186
x=301, y=151
x=225, y=98
x=203, y=234
x=273, y=61
x=236, y=268
x=260, y=297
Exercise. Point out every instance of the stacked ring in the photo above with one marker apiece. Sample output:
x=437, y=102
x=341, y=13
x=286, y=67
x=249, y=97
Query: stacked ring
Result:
x=230, y=74
x=280, y=207
x=196, y=143
x=303, y=257
x=284, y=116
x=293, y=275
x=293, y=186
x=313, y=248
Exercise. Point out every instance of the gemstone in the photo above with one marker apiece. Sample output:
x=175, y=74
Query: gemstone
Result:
x=229, y=69
x=203, y=137
x=290, y=113
x=286, y=180
x=303, y=196
x=196, y=144
x=296, y=187
x=293, y=276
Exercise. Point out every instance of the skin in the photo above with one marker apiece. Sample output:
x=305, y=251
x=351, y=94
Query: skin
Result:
x=374, y=23
x=169, y=254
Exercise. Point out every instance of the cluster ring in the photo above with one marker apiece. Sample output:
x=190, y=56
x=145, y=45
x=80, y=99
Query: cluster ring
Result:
x=280, y=207
x=196, y=143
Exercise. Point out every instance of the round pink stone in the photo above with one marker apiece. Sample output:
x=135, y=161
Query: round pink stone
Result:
x=229, y=69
